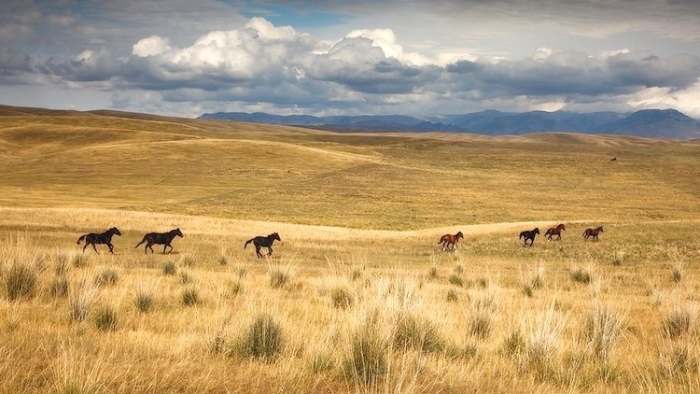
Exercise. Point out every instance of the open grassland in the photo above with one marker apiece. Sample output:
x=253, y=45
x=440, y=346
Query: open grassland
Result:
x=348, y=310
x=357, y=297
x=286, y=174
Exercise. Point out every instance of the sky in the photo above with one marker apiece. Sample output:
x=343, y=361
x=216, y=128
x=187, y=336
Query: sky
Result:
x=418, y=58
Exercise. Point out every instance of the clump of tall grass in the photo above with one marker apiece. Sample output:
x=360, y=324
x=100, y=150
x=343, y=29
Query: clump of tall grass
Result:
x=681, y=320
x=20, y=281
x=190, y=296
x=678, y=359
x=677, y=272
x=618, y=258
x=279, y=277
x=365, y=361
x=223, y=260
x=542, y=339
x=107, y=277
x=169, y=268
x=262, y=340
x=534, y=281
x=581, y=275
x=433, y=272
x=185, y=277
x=78, y=260
x=483, y=307
x=144, y=298
x=106, y=318
x=233, y=288
x=356, y=273
x=602, y=328
x=80, y=299
x=59, y=286
x=456, y=280
x=187, y=260
x=240, y=271
x=514, y=344
x=61, y=266
x=321, y=362
x=452, y=295
x=341, y=297
x=415, y=332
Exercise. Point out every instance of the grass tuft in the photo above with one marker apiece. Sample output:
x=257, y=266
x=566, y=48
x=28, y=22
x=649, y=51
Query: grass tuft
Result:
x=106, y=318
x=581, y=275
x=20, y=281
x=417, y=333
x=602, y=328
x=108, y=277
x=456, y=280
x=169, y=268
x=341, y=297
x=278, y=278
x=58, y=288
x=366, y=358
x=679, y=322
x=262, y=340
x=80, y=300
x=190, y=296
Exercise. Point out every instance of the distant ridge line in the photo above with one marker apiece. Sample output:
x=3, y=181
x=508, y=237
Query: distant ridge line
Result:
x=656, y=123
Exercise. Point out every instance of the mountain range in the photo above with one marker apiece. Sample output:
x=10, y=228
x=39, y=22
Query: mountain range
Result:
x=658, y=123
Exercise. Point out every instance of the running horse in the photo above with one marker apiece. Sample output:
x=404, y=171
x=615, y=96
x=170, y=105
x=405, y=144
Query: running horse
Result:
x=164, y=239
x=529, y=236
x=551, y=232
x=449, y=241
x=100, y=239
x=592, y=233
x=263, y=242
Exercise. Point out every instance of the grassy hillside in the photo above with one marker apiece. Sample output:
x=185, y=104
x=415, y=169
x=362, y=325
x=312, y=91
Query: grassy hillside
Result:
x=245, y=171
x=357, y=297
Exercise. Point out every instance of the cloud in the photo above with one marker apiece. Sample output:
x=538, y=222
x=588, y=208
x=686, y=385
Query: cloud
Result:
x=150, y=46
x=260, y=64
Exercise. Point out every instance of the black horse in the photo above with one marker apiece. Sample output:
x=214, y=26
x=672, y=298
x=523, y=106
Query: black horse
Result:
x=100, y=239
x=160, y=239
x=529, y=236
x=263, y=242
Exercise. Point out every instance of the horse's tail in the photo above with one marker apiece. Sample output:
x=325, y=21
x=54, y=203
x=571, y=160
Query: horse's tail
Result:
x=82, y=237
x=142, y=241
x=247, y=242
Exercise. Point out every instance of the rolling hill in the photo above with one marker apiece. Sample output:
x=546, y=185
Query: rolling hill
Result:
x=398, y=181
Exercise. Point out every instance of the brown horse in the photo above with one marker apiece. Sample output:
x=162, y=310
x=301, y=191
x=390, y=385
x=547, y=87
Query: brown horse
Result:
x=551, y=232
x=592, y=233
x=449, y=241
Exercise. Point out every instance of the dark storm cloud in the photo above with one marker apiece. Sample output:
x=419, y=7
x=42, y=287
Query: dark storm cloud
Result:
x=575, y=74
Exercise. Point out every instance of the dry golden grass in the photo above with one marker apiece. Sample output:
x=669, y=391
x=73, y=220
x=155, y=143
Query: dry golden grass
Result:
x=357, y=297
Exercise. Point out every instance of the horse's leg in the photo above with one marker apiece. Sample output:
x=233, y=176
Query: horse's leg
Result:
x=95, y=248
x=111, y=248
x=171, y=248
x=257, y=251
x=86, y=245
x=165, y=247
x=269, y=250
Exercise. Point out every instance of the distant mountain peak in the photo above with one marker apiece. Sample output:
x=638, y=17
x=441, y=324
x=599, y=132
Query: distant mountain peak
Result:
x=662, y=123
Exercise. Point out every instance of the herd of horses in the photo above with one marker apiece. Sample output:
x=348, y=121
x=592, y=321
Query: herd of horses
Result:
x=166, y=239
x=448, y=242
